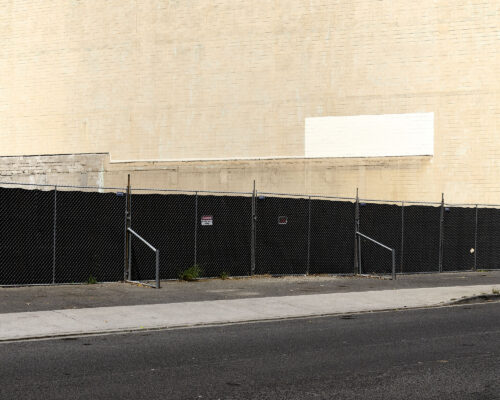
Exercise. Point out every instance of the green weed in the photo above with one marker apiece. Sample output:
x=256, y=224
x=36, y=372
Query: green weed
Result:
x=224, y=275
x=191, y=274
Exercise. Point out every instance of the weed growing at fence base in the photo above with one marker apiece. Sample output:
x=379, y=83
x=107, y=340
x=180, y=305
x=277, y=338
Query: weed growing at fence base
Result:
x=224, y=275
x=91, y=280
x=191, y=274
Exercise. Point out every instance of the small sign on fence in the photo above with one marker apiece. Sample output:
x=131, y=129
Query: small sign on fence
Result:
x=282, y=220
x=207, y=220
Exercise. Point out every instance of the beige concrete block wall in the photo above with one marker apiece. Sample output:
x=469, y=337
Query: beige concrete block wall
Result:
x=175, y=80
x=388, y=178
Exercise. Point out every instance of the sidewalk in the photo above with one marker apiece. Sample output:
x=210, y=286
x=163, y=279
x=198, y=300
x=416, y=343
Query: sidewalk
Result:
x=40, y=324
x=44, y=298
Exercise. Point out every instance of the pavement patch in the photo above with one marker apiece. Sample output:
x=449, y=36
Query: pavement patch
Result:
x=483, y=298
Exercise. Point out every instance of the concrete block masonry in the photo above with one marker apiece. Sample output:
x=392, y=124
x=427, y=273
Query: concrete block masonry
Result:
x=161, y=88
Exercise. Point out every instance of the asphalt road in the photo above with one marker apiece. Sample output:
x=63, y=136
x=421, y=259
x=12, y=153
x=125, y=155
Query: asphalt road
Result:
x=446, y=353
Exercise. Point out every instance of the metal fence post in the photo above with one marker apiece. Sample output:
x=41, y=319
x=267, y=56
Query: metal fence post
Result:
x=441, y=233
x=356, y=237
x=402, y=233
x=129, y=225
x=253, y=233
x=126, y=274
x=125, y=239
x=475, y=242
x=196, y=229
x=54, y=237
x=308, y=237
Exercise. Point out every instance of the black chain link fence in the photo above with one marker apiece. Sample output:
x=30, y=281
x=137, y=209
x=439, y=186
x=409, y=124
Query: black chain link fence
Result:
x=208, y=231
x=223, y=235
x=459, y=238
x=167, y=221
x=332, y=236
x=89, y=236
x=381, y=222
x=26, y=236
x=282, y=235
x=60, y=235
x=142, y=262
x=421, y=238
x=487, y=250
x=51, y=235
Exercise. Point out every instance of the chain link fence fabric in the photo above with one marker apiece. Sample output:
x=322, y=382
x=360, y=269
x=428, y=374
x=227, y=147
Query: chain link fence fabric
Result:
x=421, y=238
x=224, y=229
x=383, y=223
x=51, y=235
x=331, y=237
x=167, y=221
x=282, y=235
x=26, y=236
x=487, y=251
x=90, y=236
x=459, y=237
x=61, y=235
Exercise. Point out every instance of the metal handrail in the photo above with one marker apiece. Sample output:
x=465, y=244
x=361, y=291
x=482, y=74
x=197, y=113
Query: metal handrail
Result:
x=157, y=252
x=142, y=239
x=393, y=251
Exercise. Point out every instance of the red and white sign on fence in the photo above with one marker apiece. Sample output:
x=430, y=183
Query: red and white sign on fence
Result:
x=207, y=220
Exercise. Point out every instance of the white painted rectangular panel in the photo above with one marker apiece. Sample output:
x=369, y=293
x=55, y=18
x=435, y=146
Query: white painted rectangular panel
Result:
x=370, y=135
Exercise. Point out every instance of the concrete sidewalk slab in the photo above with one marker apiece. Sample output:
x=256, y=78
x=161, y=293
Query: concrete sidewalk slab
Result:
x=29, y=325
x=63, y=297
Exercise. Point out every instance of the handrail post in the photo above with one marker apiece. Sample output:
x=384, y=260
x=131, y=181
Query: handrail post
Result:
x=393, y=264
x=356, y=237
x=441, y=233
x=157, y=268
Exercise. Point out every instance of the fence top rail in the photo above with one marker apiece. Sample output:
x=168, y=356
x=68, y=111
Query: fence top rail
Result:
x=188, y=191
x=471, y=205
x=405, y=202
x=306, y=195
x=316, y=196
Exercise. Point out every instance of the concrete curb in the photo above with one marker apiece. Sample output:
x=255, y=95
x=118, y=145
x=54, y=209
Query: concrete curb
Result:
x=264, y=320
